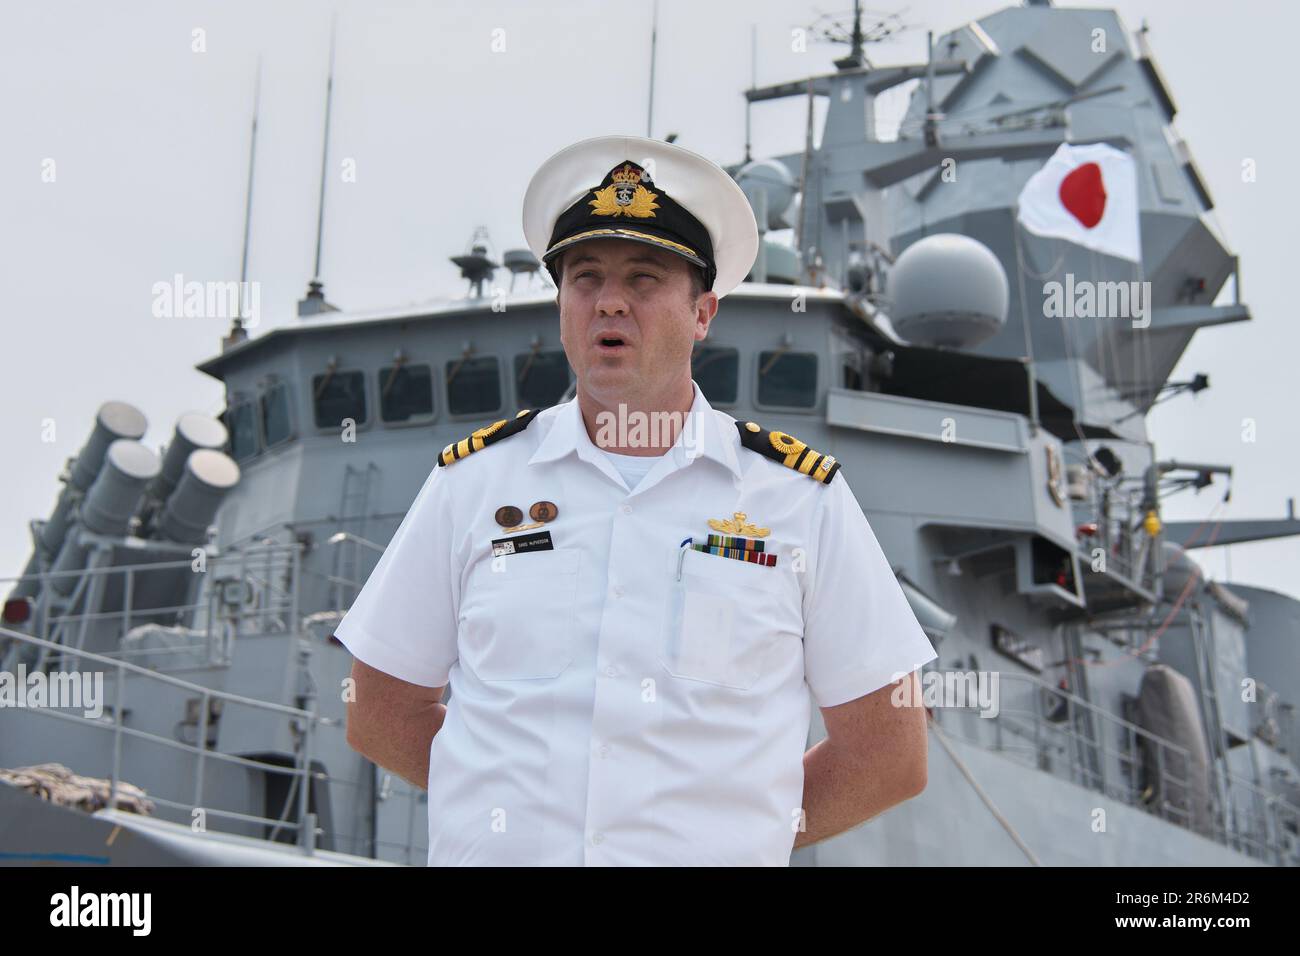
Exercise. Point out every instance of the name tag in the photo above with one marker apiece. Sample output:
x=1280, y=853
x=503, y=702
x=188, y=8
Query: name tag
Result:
x=537, y=541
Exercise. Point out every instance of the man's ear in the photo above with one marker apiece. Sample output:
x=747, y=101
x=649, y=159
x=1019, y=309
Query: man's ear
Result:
x=706, y=310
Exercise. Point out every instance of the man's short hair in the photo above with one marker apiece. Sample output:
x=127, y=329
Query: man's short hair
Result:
x=696, y=275
x=697, y=281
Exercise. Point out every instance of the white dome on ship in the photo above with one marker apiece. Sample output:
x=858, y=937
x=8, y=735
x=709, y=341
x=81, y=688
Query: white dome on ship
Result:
x=768, y=178
x=948, y=290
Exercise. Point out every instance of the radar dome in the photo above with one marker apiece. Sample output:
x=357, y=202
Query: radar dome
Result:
x=948, y=290
x=771, y=178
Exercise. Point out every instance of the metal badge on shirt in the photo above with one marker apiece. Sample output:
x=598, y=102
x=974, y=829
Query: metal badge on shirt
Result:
x=509, y=517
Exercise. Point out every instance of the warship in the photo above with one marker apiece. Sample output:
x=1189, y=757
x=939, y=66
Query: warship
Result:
x=1144, y=714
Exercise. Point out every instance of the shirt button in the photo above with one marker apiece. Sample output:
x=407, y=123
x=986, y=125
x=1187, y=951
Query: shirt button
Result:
x=611, y=671
x=604, y=750
x=627, y=509
x=597, y=838
x=618, y=590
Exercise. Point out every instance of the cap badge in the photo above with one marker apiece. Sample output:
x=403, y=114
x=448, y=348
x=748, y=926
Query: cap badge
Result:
x=625, y=196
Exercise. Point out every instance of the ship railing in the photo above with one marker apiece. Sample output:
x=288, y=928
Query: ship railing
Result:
x=410, y=848
x=246, y=591
x=1120, y=534
x=303, y=726
x=1259, y=821
x=1055, y=731
x=1045, y=735
x=351, y=557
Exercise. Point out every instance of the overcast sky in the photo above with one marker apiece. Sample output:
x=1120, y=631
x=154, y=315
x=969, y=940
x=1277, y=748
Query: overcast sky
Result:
x=149, y=142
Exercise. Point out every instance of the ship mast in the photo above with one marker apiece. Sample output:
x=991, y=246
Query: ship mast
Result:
x=650, y=107
x=856, y=59
x=314, y=302
x=237, y=332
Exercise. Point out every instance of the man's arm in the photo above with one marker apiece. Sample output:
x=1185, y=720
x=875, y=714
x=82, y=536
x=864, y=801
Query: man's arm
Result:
x=393, y=722
x=873, y=757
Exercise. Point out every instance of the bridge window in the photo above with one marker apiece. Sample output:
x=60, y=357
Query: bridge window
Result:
x=276, y=427
x=851, y=372
x=337, y=396
x=541, y=378
x=241, y=423
x=717, y=371
x=787, y=379
x=405, y=393
x=473, y=386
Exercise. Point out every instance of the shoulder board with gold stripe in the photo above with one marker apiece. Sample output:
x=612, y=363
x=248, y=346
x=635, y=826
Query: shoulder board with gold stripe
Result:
x=789, y=451
x=482, y=437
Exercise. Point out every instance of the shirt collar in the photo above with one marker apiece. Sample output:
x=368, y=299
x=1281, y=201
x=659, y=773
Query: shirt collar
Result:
x=702, y=436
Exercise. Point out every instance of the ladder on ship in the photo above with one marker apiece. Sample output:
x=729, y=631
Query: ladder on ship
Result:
x=353, y=519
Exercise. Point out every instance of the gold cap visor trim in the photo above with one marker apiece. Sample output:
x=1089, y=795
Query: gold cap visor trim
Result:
x=685, y=252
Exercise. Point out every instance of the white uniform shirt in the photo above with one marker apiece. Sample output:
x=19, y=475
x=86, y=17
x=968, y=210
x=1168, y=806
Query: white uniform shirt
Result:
x=605, y=710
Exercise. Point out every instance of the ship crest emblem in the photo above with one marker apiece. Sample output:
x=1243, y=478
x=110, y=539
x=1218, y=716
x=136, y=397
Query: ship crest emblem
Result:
x=1055, y=486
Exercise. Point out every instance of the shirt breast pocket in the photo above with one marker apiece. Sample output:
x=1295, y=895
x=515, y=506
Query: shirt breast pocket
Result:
x=725, y=619
x=516, y=619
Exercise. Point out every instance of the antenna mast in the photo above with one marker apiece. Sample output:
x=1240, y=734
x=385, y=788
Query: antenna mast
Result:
x=314, y=302
x=753, y=85
x=650, y=109
x=856, y=58
x=237, y=333
x=248, y=192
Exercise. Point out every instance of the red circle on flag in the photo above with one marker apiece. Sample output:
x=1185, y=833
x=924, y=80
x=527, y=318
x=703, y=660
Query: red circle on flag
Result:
x=1084, y=195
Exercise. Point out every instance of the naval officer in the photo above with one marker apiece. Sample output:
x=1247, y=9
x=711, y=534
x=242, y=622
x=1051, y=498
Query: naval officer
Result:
x=636, y=599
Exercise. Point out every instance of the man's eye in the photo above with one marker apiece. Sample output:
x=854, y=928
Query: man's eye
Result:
x=644, y=275
x=583, y=275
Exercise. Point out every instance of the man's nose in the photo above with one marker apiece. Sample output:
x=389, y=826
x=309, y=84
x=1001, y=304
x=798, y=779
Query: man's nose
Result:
x=611, y=300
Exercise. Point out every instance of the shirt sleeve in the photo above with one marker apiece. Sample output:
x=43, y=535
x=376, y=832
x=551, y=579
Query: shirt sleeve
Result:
x=404, y=620
x=859, y=631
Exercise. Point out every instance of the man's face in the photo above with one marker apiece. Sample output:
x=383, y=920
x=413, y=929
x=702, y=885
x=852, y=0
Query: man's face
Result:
x=618, y=291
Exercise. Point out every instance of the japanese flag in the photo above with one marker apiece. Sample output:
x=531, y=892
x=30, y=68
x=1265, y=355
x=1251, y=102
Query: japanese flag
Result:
x=1088, y=195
